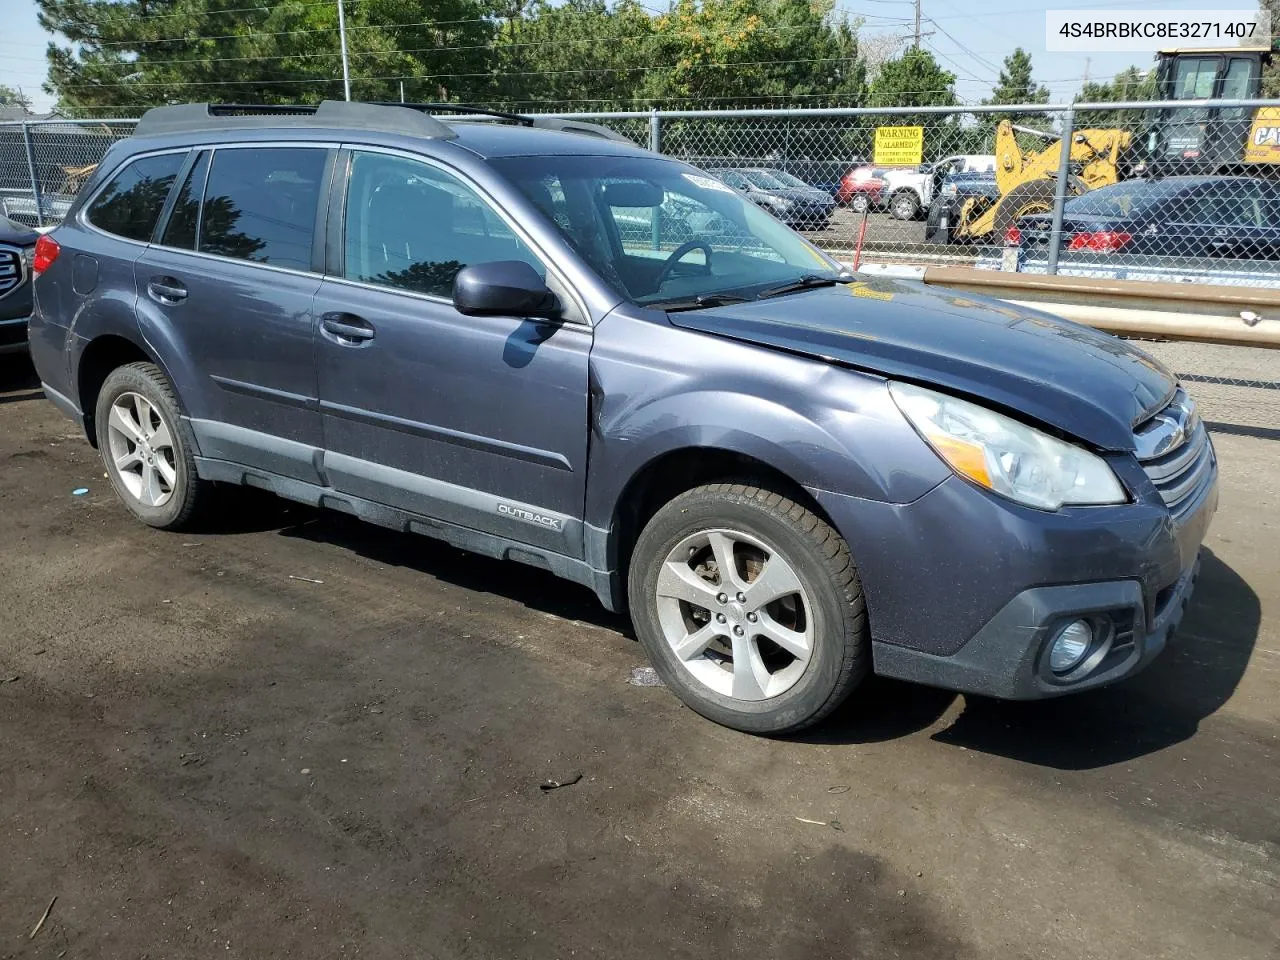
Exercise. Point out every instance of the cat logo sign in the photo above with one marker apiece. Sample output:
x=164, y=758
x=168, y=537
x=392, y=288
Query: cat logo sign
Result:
x=1263, y=145
x=898, y=146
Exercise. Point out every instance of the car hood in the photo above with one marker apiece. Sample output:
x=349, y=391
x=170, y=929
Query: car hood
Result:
x=1087, y=384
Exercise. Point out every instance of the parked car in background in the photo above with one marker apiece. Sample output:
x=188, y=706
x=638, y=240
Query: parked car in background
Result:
x=20, y=207
x=797, y=206
x=1197, y=217
x=953, y=191
x=861, y=189
x=17, y=248
x=907, y=192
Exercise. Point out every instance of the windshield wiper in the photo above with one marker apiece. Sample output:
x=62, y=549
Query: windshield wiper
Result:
x=700, y=302
x=810, y=281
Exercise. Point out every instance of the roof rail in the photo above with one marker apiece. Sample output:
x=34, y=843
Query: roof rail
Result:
x=464, y=110
x=526, y=120
x=191, y=117
x=582, y=127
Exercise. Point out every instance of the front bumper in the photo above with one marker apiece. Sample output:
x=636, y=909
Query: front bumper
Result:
x=966, y=591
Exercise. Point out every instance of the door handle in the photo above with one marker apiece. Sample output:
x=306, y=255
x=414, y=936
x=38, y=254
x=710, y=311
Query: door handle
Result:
x=347, y=328
x=166, y=290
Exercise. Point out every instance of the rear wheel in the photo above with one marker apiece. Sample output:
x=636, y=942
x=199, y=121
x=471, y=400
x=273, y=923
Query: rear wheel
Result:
x=1034, y=196
x=749, y=607
x=146, y=448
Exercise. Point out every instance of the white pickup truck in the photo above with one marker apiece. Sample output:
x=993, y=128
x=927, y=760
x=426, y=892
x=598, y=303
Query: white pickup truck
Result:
x=907, y=193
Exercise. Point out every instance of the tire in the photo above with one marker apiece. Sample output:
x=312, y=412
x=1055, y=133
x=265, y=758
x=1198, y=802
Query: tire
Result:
x=1034, y=196
x=785, y=692
x=158, y=482
x=859, y=203
x=904, y=205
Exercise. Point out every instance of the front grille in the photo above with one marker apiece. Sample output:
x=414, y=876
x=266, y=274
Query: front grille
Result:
x=1176, y=453
x=10, y=269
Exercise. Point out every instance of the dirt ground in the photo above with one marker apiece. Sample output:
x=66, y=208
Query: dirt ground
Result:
x=201, y=756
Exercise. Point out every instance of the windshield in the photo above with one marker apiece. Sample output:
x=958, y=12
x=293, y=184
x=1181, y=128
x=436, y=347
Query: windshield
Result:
x=788, y=180
x=1122, y=199
x=660, y=231
x=763, y=180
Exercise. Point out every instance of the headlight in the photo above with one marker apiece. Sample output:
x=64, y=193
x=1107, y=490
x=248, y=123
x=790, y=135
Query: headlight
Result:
x=781, y=204
x=949, y=189
x=1005, y=456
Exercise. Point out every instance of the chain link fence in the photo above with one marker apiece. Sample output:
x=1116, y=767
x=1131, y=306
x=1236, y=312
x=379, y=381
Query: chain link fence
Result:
x=1184, y=192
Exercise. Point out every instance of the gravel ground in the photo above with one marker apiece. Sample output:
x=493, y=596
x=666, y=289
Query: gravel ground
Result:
x=201, y=756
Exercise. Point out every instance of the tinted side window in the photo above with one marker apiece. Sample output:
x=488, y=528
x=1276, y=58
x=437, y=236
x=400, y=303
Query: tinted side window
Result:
x=131, y=203
x=412, y=226
x=260, y=204
x=181, y=230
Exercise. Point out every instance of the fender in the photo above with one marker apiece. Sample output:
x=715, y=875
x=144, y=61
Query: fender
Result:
x=823, y=426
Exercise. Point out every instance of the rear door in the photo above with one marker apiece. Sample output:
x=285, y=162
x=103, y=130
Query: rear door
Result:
x=226, y=294
x=477, y=421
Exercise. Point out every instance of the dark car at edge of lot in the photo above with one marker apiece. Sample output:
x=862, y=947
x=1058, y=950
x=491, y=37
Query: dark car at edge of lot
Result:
x=951, y=195
x=17, y=248
x=787, y=476
x=787, y=197
x=1203, y=218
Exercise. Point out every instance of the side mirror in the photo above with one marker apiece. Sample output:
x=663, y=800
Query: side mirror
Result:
x=504, y=288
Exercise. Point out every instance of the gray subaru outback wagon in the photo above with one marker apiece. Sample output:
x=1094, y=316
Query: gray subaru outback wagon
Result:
x=532, y=340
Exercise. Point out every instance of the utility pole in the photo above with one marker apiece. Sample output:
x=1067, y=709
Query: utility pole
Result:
x=1087, y=61
x=918, y=24
x=346, y=67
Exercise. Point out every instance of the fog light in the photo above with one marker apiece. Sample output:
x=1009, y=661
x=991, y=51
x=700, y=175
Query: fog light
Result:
x=1070, y=647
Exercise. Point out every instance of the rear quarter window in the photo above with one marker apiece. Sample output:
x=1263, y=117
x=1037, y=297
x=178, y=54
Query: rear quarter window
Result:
x=130, y=204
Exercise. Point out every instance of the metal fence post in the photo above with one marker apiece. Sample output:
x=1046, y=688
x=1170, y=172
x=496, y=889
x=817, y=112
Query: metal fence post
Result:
x=655, y=131
x=1060, y=191
x=31, y=171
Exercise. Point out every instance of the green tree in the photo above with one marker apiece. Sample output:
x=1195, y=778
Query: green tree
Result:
x=1132, y=83
x=1271, y=71
x=128, y=54
x=1016, y=86
x=726, y=51
x=913, y=80
x=579, y=53
x=9, y=97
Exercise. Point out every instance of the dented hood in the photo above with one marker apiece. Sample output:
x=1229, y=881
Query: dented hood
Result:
x=1087, y=384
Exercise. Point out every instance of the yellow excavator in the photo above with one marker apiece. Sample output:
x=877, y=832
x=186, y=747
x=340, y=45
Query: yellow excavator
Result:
x=1178, y=140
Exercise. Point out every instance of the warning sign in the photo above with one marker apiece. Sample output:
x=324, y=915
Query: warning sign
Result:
x=899, y=146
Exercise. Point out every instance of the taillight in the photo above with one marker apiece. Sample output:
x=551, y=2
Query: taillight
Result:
x=1100, y=241
x=1013, y=237
x=47, y=251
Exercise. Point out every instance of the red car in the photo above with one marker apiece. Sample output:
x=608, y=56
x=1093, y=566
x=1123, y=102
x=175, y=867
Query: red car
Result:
x=860, y=189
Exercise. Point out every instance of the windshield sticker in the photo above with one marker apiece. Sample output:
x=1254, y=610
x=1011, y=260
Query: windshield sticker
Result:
x=862, y=290
x=707, y=183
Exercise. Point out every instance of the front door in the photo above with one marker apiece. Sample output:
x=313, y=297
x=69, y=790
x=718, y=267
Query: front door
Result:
x=228, y=291
x=477, y=421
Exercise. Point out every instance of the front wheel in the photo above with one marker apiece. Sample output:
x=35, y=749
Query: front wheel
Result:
x=749, y=608
x=859, y=203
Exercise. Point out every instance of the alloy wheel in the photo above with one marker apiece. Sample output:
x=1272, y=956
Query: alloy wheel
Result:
x=735, y=614
x=141, y=450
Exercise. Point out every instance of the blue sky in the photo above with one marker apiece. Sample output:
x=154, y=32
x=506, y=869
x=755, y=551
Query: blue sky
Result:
x=968, y=39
